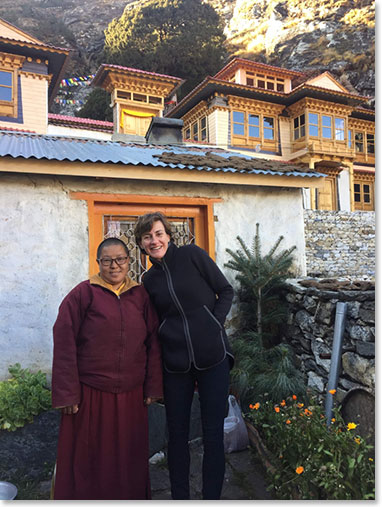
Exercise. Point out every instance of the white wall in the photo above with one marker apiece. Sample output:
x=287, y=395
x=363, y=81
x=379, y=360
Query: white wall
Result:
x=44, y=246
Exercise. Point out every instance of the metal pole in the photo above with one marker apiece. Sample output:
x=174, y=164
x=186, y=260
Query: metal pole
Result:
x=335, y=363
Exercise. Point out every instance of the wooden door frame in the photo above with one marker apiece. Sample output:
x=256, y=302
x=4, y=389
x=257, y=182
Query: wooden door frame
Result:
x=99, y=203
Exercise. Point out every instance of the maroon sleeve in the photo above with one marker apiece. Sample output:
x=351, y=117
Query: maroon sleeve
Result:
x=153, y=384
x=66, y=389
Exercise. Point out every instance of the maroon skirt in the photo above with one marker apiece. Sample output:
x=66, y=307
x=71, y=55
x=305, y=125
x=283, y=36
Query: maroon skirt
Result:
x=103, y=450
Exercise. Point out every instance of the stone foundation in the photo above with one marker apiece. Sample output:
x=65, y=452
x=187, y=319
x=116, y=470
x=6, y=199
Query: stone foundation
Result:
x=310, y=330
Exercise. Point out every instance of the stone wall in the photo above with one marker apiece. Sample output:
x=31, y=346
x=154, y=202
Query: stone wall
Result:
x=310, y=330
x=340, y=243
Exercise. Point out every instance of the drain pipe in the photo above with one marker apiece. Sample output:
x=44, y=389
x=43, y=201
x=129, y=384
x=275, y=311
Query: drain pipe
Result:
x=335, y=363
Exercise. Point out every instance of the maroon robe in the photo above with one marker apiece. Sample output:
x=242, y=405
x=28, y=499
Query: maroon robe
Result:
x=107, y=359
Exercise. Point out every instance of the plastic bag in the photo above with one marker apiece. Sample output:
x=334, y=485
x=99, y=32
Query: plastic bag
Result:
x=235, y=430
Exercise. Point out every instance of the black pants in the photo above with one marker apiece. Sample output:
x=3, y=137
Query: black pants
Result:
x=178, y=394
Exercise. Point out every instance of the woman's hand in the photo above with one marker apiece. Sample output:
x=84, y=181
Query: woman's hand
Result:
x=70, y=410
x=147, y=401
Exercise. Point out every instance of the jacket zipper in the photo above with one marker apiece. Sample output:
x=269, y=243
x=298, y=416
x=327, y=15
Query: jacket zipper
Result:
x=180, y=309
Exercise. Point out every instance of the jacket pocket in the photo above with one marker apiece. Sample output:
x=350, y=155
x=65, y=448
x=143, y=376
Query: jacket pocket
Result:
x=174, y=344
x=207, y=338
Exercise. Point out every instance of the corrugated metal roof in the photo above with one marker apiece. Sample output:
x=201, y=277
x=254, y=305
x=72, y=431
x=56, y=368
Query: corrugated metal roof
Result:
x=17, y=144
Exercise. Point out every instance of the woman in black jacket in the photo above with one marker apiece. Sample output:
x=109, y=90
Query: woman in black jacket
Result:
x=192, y=298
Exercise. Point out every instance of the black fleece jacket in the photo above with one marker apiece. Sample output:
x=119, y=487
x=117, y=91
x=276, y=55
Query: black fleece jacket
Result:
x=192, y=298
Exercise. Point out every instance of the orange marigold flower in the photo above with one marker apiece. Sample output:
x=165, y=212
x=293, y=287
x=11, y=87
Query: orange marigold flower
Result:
x=352, y=426
x=300, y=405
x=294, y=397
x=299, y=470
x=307, y=412
x=333, y=419
x=288, y=421
x=332, y=391
x=357, y=440
x=277, y=409
x=256, y=406
x=371, y=459
x=283, y=403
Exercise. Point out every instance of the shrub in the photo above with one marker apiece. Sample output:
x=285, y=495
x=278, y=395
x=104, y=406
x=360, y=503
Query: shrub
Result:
x=314, y=461
x=22, y=396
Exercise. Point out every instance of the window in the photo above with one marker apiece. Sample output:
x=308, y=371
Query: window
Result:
x=6, y=86
x=112, y=215
x=326, y=126
x=339, y=124
x=269, y=128
x=238, y=123
x=252, y=128
x=363, y=195
x=197, y=131
x=253, y=125
x=313, y=124
x=350, y=138
x=358, y=141
x=299, y=127
x=370, y=143
x=203, y=129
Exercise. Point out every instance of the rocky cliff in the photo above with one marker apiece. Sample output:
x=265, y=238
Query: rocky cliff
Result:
x=304, y=35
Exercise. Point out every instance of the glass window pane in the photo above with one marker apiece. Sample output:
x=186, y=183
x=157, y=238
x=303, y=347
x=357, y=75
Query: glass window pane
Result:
x=203, y=122
x=250, y=81
x=268, y=134
x=302, y=130
x=253, y=131
x=270, y=86
x=326, y=121
x=340, y=123
x=366, y=198
x=6, y=94
x=5, y=78
x=238, y=117
x=302, y=119
x=366, y=189
x=340, y=135
x=313, y=131
x=327, y=133
x=357, y=197
x=357, y=187
x=268, y=122
x=280, y=87
x=261, y=83
x=238, y=129
x=295, y=123
x=313, y=118
x=253, y=119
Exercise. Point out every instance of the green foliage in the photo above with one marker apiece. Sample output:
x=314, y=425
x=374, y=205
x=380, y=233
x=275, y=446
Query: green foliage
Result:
x=264, y=372
x=22, y=396
x=261, y=278
x=314, y=462
x=183, y=38
x=97, y=106
x=264, y=367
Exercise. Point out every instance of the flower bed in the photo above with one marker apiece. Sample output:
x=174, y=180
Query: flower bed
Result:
x=306, y=459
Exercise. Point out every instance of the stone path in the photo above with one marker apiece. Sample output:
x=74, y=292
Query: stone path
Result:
x=244, y=477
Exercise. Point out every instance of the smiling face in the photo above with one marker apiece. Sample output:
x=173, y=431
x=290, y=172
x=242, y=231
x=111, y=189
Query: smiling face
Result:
x=155, y=242
x=114, y=274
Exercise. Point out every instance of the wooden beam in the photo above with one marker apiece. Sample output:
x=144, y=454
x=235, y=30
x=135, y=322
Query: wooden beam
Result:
x=151, y=173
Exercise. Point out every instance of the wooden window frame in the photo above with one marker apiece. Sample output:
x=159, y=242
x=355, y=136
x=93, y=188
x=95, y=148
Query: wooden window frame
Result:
x=195, y=131
x=8, y=108
x=249, y=139
x=300, y=129
x=363, y=205
x=117, y=204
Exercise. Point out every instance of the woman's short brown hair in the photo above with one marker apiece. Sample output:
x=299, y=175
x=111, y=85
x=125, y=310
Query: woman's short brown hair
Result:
x=145, y=223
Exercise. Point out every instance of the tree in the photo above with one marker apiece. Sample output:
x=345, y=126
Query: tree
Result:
x=183, y=38
x=264, y=367
x=97, y=106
